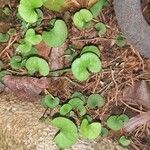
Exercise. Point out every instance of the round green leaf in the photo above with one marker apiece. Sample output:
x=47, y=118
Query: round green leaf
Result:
x=50, y=102
x=90, y=131
x=24, y=48
x=57, y=35
x=68, y=134
x=4, y=37
x=34, y=64
x=120, y=41
x=65, y=109
x=124, y=118
x=92, y=49
x=78, y=95
x=32, y=38
x=75, y=102
x=82, y=18
x=124, y=141
x=88, y=62
x=82, y=110
x=15, y=62
x=27, y=10
x=101, y=28
x=114, y=123
x=104, y=132
x=95, y=100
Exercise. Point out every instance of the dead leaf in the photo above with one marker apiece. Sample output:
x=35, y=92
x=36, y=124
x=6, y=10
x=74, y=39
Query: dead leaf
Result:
x=139, y=93
x=136, y=121
x=147, y=65
x=27, y=87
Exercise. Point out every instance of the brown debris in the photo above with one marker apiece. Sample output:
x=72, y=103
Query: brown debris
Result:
x=27, y=87
x=137, y=121
x=139, y=93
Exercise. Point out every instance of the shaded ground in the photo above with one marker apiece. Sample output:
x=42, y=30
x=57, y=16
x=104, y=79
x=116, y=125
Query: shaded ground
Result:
x=122, y=67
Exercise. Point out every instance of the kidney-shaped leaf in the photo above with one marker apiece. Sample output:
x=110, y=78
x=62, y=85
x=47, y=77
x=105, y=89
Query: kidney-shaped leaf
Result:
x=35, y=64
x=65, y=109
x=88, y=62
x=67, y=135
x=27, y=9
x=15, y=62
x=124, y=141
x=90, y=131
x=57, y=35
x=95, y=100
x=82, y=18
x=32, y=38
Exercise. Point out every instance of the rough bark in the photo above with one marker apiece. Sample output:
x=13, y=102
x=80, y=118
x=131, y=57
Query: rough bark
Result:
x=20, y=128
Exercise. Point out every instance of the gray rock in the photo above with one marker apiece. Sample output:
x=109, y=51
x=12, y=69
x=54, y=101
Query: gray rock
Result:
x=133, y=24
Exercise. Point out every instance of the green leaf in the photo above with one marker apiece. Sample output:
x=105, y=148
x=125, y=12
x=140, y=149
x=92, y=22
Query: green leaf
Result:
x=7, y=11
x=24, y=48
x=55, y=5
x=92, y=49
x=101, y=28
x=35, y=64
x=3, y=74
x=11, y=31
x=82, y=18
x=32, y=38
x=82, y=110
x=27, y=10
x=68, y=134
x=104, y=132
x=116, y=122
x=57, y=35
x=50, y=102
x=97, y=8
x=90, y=131
x=124, y=141
x=95, y=100
x=120, y=41
x=15, y=62
x=75, y=102
x=4, y=37
x=65, y=109
x=86, y=64
x=78, y=95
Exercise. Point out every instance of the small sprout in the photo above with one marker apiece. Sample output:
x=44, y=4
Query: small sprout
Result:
x=35, y=64
x=4, y=37
x=85, y=65
x=27, y=10
x=97, y=7
x=120, y=41
x=65, y=109
x=124, y=141
x=6, y=11
x=82, y=18
x=78, y=95
x=90, y=131
x=104, y=132
x=1, y=65
x=116, y=122
x=57, y=35
x=95, y=100
x=92, y=49
x=55, y=5
x=50, y=102
x=16, y=62
x=11, y=31
x=24, y=48
x=32, y=38
x=68, y=134
x=101, y=28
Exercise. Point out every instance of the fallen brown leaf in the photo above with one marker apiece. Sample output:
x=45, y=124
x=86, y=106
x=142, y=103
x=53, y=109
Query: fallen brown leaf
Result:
x=139, y=93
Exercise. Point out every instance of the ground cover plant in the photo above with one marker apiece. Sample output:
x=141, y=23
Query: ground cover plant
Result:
x=78, y=45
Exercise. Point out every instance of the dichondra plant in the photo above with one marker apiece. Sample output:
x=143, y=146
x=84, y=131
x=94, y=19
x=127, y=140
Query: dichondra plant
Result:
x=57, y=35
x=68, y=134
x=27, y=10
x=89, y=62
x=82, y=18
x=36, y=64
x=124, y=141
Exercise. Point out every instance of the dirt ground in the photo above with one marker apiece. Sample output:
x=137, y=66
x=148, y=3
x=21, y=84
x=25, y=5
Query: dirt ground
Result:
x=122, y=68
